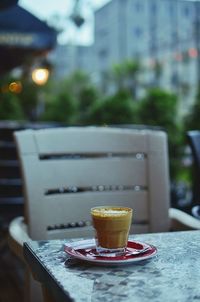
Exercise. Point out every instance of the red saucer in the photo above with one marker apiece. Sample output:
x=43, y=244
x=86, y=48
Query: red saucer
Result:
x=85, y=250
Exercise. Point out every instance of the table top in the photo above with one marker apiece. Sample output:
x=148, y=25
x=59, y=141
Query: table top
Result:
x=172, y=275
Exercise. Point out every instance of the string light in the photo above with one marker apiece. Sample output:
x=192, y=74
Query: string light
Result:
x=193, y=53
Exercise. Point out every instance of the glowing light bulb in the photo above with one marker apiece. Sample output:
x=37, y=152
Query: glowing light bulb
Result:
x=40, y=76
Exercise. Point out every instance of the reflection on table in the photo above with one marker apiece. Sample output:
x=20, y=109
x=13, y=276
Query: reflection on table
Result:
x=172, y=275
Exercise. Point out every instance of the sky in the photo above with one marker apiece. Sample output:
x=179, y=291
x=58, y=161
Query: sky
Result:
x=58, y=12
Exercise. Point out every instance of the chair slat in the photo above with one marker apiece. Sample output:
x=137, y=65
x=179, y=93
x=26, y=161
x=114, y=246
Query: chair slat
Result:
x=10, y=190
x=75, y=207
x=86, y=172
x=9, y=169
x=51, y=141
x=8, y=152
x=134, y=199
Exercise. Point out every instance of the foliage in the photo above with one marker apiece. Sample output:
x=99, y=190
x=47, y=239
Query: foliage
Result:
x=116, y=109
x=125, y=75
x=191, y=120
x=60, y=108
x=70, y=101
x=159, y=108
x=28, y=98
x=87, y=99
x=10, y=108
x=75, y=83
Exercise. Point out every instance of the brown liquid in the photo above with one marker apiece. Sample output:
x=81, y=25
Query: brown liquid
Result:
x=112, y=225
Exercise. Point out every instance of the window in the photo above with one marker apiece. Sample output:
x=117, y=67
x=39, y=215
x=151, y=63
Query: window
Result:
x=103, y=53
x=186, y=11
x=138, y=31
x=138, y=6
x=153, y=8
x=102, y=32
x=171, y=9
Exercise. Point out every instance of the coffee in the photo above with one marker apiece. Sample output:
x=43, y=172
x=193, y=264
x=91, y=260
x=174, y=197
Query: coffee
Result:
x=112, y=225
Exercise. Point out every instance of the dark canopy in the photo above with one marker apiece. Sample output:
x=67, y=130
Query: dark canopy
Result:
x=7, y=3
x=22, y=35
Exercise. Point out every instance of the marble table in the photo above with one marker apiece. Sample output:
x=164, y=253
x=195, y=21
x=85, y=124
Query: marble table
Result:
x=172, y=275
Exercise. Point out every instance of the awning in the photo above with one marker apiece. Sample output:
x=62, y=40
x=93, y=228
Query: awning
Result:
x=6, y=3
x=22, y=35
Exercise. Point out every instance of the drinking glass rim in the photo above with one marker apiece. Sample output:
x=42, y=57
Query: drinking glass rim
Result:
x=128, y=209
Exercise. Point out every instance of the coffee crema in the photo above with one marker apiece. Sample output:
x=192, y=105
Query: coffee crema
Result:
x=108, y=212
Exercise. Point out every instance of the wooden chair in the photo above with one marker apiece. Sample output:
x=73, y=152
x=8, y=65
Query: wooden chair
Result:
x=66, y=171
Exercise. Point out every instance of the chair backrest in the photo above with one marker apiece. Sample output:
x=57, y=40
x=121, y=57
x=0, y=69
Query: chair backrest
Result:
x=67, y=171
x=194, y=143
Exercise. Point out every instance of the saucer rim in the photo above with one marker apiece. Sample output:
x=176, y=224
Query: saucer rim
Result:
x=71, y=251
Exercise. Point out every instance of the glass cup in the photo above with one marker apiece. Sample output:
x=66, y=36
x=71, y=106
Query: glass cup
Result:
x=112, y=226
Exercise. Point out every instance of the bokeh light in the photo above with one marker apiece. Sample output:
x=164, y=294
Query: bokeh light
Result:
x=40, y=76
x=15, y=87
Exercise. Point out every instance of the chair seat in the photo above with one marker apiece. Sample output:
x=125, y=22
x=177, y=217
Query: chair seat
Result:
x=17, y=236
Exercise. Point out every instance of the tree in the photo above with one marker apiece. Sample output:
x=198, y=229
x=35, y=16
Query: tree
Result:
x=87, y=98
x=10, y=107
x=191, y=120
x=125, y=76
x=28, y=99
x=160, y=108
x=117, y=109
x=83, y=93
x=60, y=108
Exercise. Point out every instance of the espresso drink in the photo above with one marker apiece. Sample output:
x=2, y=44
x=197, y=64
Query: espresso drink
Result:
x=112, y=225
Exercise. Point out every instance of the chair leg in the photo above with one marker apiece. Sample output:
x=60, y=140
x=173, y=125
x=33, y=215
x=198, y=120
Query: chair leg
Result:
x=46, y=295
x=33, y=289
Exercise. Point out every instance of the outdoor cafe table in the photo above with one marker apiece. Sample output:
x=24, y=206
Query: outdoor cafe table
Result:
x=173, y=274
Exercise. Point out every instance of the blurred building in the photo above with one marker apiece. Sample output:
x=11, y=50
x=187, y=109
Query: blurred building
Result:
x=159, y=33
x=69, y=58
